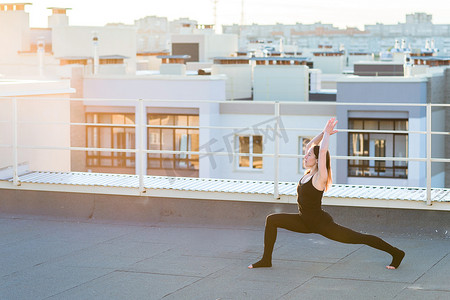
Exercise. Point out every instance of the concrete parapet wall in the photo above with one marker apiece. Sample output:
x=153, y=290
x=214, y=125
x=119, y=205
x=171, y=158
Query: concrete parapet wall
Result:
x=221, y=213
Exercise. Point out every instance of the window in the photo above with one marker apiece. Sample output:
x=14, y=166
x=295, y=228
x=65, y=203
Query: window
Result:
x=250, y=146
x=173, y=139
x=117, y=136
x=378, y=145
x=302, y=142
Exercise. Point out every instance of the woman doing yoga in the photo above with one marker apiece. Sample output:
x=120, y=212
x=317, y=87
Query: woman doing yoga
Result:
x=311, y=218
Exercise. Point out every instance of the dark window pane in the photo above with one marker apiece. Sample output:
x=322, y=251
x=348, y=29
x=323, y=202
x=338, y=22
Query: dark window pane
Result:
x=386, y=125
x=305, y=142
x=355, y=124
x=356, y=144
x=378, y=145
x=401, y=148
x=401, y=125
x=370, y=125
x=401, y=173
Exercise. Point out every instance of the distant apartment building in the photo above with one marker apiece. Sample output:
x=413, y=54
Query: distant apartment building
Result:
x=417, y=29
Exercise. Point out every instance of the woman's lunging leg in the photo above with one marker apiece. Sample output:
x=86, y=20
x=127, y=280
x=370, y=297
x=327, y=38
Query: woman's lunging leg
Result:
x=342, y=234
x=292, y=222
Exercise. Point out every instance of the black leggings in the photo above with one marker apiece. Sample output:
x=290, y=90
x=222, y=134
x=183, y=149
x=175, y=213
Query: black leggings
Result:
x=326, y=227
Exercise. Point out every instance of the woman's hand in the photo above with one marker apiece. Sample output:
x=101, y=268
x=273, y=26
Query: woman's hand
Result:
x=329, y=128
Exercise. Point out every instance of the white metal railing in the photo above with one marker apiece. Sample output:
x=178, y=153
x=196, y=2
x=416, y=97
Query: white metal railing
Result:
x=141, y=124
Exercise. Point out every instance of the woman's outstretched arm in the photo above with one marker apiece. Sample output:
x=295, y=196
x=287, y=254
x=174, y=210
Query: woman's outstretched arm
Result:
x=322, y=167
x=318, y=138
x=315, y=141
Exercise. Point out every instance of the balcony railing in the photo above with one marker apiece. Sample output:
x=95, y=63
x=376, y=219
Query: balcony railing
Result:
x=141, y=125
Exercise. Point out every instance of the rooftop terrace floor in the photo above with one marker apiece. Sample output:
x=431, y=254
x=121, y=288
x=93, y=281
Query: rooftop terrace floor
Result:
x=61, y=258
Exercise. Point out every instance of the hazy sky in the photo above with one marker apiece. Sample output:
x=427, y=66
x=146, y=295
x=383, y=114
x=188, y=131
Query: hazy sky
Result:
x=341, y=13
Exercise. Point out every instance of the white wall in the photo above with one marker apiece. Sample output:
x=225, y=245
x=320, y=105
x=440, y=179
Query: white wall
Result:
x=227, y=166
x=172, y=69
x=77, y=41
x=280, y=83
x=218, y=45
x=329, y=64
x=159, y=87
x=14, y=35
x=35, y=110
x=26, y=65
x=239, y=80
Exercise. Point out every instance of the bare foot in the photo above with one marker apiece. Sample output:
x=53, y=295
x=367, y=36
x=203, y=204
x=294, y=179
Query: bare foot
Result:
x=261, y=264
x=397, y=258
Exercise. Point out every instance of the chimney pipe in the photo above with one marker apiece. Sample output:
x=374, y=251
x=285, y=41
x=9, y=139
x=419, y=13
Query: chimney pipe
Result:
x=41, y=53
x=96, y=57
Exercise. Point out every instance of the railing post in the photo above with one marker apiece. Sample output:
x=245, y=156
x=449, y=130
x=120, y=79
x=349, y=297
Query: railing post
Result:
x=16, y=181
x=140, y=153
x=428, y=154
x=276, y=194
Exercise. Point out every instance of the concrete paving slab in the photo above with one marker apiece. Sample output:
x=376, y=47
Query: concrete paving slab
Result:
x=28, y=253
x=16, y=236
x=87, y=232
x=436, y=278
x=227, y=252
x=203, y=236
x=313, y=247
x=46, y=280
x=283, y=271
x=338, y=288
x=369, y=264
x=171, y=262
x=208, y=242
x=419, y=294
x=137, y=250
x=230, y=288
x=127, y=285
x=94, y=259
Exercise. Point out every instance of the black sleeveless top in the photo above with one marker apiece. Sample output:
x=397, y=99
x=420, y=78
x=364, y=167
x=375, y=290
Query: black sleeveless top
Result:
x=309, y=198
x=309, y=201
